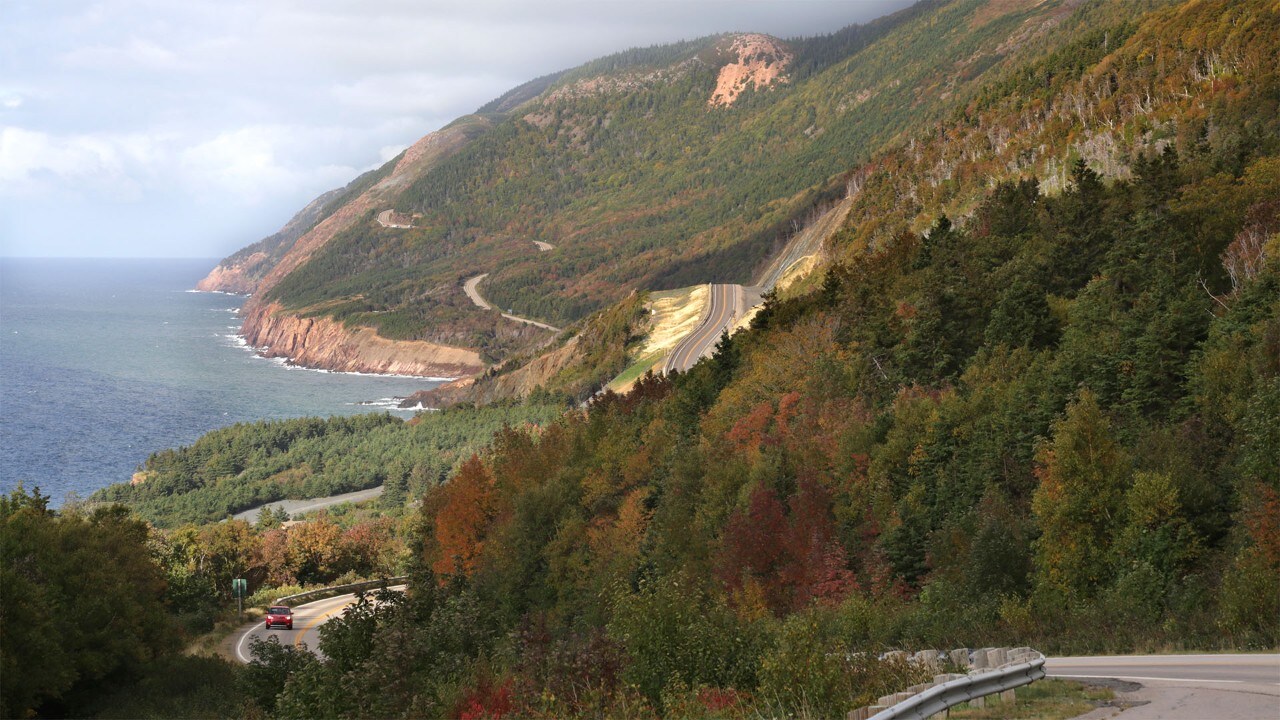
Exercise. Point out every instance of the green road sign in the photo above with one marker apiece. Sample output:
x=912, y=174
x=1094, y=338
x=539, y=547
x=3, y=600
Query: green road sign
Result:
x=239, y=587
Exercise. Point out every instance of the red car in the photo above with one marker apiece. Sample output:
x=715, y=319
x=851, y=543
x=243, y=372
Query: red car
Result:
x=278, y=616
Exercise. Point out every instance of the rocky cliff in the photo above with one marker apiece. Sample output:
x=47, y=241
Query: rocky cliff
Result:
x=321, y=342
x=758, y=62
x=240, y=273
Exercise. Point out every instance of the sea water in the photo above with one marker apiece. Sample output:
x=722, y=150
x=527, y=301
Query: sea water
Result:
x=103, y=362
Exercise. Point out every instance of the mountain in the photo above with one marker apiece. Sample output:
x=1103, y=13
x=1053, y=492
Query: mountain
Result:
x=1028, y=394
x=241, y=272
x=651, y=169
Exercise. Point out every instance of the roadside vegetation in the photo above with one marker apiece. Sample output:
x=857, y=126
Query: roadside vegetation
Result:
x=1048, y=416
x=1047, y=699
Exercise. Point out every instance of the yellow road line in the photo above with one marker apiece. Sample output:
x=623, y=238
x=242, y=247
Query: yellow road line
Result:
x=297, y=641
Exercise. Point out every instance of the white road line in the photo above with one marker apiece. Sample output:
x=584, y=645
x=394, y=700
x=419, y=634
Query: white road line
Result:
x=240, y=645
x=1143, y=677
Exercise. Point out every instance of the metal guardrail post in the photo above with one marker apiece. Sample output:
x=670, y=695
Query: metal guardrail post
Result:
x=971, y=687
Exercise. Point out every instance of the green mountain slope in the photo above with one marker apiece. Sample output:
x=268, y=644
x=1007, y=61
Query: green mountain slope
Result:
x=639, y=182
x=1052, y=421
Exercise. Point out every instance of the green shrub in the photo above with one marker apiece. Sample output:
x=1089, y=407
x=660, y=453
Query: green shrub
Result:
x=674, y=630
x=813, y=671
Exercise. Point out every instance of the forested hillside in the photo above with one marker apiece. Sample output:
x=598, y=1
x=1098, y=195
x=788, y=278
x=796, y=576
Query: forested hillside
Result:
x=1031, y=397
x=250, y=464
x=1052, y=421
x=639, y=180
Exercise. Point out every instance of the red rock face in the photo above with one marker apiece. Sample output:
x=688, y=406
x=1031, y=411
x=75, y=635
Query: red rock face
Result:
x=324, y=343
x=233, y=278
x=761, y=61
x=321, y=342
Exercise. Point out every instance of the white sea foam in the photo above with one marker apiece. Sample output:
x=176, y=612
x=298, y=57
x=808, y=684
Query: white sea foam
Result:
x=284, y=362
x=391, y=403
x=214, y=292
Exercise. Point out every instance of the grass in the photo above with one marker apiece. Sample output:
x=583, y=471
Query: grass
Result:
x=1041, y=700
x=633, y=373
x=212, y=642
x=675, y=313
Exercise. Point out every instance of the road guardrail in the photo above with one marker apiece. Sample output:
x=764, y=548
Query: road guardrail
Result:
x=335, y=590
x=995, y=670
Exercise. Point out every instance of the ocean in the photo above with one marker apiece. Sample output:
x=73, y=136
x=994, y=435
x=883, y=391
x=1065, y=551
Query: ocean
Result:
x=103, y=362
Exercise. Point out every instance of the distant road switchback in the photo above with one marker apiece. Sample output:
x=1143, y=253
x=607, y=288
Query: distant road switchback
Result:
x=470, y=287
x=387, y=219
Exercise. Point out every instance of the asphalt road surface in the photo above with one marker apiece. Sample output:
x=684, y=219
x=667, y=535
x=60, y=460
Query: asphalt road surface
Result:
x=294, y=507
x=723, y=308
x=730, y=302
x=386, y=218
x=1195, y=687
x=306, y=620
x=470, y=287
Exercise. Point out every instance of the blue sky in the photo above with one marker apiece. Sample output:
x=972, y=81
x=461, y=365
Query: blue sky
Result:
x=190, y=128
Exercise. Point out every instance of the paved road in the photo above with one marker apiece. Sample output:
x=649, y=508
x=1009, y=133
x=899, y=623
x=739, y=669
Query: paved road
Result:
x=1196, y=687
x=306, y=620
x=730, y=302
x=806, y=242
x=293, y=507
x=470, y=288
x=724, y=306
x=385, y=219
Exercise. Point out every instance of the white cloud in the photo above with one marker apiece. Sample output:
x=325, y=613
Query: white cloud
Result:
x=243, y=167
x=137, y=53
x=36, y=163
x=417, y=93
x=386, y=152
x=253, y=164
x=114, y=111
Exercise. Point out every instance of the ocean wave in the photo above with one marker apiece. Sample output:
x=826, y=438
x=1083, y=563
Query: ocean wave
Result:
x=426, y=378
x=213, y=292
x=237, y=341
x=391, y=403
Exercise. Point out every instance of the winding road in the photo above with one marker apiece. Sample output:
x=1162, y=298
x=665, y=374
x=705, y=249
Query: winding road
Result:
x=728, y=303
x=1195, y=687
x=470, y=288
x=725, y=304
x=294, y=507
x=307, y=619
x=386, y=219
x=1177, y=687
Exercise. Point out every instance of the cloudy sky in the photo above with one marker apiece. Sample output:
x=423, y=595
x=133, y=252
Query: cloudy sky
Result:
x=190, y=128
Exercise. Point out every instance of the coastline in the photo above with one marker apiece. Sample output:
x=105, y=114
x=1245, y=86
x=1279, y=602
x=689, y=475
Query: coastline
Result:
x=339, y=352
x=323, y=343
x=239, y=341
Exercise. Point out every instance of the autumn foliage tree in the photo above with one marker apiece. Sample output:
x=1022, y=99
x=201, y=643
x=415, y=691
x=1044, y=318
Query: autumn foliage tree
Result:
x=466, y=505
x=1079, y=504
